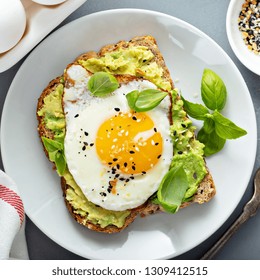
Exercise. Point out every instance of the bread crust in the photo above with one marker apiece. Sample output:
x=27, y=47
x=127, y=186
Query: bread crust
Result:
x=206, y=189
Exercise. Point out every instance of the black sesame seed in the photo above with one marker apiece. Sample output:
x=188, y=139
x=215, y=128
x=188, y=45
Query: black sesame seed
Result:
x=143, y=172
x=132, y=152
x=250, y=32
x=125, y=164
x=115, y=159
x=85, y=143
x=117, y=175
x=133, y=167
x=156, y=144
x=86, y=133
x=117, y=109
x=109, y=189
x=118, y=166
x=109, y=163
x=183, y=125
x=180, y=152
x=76, y=115
x=132, y=177
x=91, y=144
x=134, y=118
x=121, y=179
x=159, y=156
x=155, y=129
x=83, y=148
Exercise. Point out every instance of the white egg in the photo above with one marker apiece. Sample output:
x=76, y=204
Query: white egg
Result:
x=116, y=156
x=12, y=23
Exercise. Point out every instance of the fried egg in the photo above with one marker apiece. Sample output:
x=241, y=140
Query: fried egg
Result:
x=116, y=156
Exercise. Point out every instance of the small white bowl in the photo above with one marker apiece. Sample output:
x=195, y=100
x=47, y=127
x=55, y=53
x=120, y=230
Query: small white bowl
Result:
x=247, y=57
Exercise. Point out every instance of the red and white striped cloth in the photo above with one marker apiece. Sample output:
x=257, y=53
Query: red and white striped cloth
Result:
x=12, y=220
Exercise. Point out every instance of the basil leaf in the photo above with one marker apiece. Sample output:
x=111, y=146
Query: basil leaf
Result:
x=145, y=100
x=52, y=155
x=51, y=145
x=172, y=189
x=131, y=98
x=60, y=162
x=213, y=143
x=149, y=99
x=209, y=124
x=213, y=90
x=225, y=128
x=102, y=83
x=194, y=110
x=55, y=151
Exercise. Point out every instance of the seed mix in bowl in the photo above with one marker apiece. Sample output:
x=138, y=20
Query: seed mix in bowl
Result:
x=249, y=24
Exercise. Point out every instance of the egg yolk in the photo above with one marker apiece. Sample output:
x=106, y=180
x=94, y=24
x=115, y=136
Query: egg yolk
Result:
x=129, y=142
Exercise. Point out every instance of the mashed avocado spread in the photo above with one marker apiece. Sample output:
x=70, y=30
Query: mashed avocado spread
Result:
x=136, y=61
x=188, y=152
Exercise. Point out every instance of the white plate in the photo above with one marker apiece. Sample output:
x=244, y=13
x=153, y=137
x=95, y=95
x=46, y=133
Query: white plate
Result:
x=248, y=58
x=187, y=52
x=41, y=20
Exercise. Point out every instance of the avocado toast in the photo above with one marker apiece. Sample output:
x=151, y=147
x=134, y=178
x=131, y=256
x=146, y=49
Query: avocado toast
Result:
x=137, y=59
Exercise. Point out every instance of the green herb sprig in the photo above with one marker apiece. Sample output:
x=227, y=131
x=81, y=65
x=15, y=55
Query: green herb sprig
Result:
x=146, y=100
x=102, y=83
x=216, y=128
x=55, y=150
x=172, y=189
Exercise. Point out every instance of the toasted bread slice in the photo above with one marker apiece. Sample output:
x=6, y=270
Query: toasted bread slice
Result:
x=206, y=189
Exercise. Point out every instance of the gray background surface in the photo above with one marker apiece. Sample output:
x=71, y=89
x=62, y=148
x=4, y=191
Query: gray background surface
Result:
x=209, y=16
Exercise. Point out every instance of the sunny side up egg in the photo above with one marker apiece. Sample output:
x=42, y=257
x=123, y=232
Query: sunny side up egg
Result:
x=116, y=156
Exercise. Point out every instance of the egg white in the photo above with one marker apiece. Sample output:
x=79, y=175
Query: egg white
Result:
x=84, y=115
